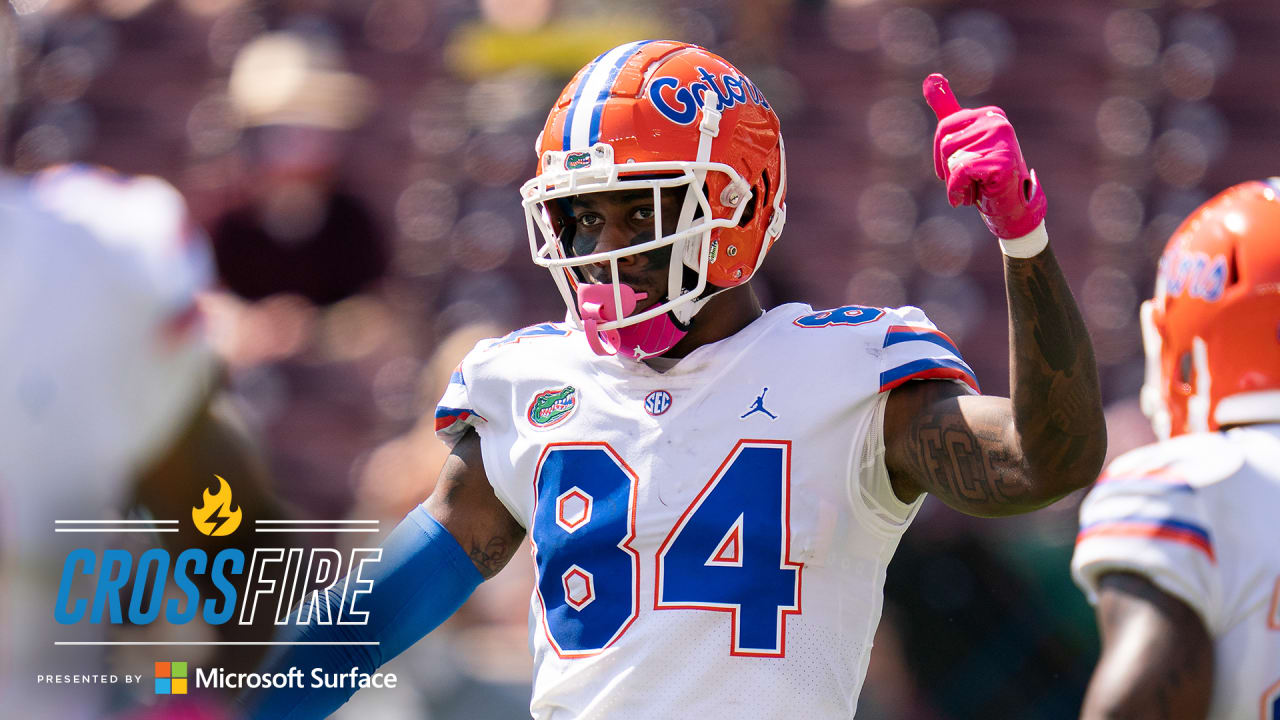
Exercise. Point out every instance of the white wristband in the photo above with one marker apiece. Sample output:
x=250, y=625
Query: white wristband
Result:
x=1028, y=245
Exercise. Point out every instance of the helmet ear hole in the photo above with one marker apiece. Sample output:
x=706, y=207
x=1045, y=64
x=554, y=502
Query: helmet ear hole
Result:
x=1184, y=368
x=1233, y=268
x=757, y=199
x=750, y=211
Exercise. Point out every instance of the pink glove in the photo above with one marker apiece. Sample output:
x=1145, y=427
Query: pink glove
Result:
x=976, y=153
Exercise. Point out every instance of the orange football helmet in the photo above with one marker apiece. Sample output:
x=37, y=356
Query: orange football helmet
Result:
x=662, y=114
x=1212, y=331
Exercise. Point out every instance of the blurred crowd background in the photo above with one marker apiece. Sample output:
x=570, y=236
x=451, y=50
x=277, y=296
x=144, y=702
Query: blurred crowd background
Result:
x=354, y=164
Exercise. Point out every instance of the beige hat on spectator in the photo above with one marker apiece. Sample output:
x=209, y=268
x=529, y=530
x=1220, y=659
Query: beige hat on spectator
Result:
x=285, y=78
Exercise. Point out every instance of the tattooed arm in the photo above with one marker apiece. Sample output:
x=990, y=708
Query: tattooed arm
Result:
x=1157, y=656
x=997, y=456
x=464, y=503
x=994, y=456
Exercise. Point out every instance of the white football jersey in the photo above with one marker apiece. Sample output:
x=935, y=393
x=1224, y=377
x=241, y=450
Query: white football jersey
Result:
x=104, y=361
x=1199, y=516
x=710, y=541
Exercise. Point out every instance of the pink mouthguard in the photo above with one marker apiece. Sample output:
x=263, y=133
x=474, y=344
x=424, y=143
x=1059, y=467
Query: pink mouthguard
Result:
x=644, y=339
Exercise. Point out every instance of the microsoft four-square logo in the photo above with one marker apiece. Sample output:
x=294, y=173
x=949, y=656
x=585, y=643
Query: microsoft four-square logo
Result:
x=171, y=678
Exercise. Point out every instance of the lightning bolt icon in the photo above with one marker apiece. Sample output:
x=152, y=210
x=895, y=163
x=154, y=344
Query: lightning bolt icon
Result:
x=224, y=516
x=216, y=517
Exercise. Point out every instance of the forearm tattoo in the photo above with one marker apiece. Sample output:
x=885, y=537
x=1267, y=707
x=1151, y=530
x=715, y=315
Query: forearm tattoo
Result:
x=472, y=513
x=1056, y=399
x=992, y=456
x=492, y=556
x=1051, y=327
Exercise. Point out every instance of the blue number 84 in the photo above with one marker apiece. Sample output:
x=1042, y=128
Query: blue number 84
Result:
x=728, y=552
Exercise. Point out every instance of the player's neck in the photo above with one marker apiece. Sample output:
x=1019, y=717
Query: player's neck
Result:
x=724, y=315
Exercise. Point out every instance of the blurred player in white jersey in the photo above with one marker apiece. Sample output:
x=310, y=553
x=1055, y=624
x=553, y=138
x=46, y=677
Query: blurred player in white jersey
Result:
x=1179, y=543
x=103, y=368
x=713, y=491
x=107, y=402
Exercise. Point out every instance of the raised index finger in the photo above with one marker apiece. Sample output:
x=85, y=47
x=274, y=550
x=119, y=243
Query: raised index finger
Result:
x=937, y=92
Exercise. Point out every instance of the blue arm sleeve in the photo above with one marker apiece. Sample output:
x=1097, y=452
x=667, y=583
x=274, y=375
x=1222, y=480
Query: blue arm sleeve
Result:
x=422, y=578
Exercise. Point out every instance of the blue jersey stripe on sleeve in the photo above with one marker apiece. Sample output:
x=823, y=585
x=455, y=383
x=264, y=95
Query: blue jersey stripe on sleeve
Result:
x=1170, y=529
x=928, y=369
x=906, y=333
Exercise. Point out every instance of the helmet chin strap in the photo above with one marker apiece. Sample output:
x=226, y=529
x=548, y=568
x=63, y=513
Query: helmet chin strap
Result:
x=693, y=251
x=1198, y=403
x=684, y=313
x=1151, y=396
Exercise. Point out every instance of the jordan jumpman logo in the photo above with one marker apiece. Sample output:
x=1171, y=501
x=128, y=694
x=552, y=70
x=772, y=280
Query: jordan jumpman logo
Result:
x=758, y=406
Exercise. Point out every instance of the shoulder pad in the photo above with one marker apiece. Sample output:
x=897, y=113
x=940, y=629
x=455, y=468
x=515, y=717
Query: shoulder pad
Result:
x=141, y=211
x=1198, y=460
x=540, y=330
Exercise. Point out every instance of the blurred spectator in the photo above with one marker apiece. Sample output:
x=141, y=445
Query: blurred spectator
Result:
x=304, y=324
x=296, y=229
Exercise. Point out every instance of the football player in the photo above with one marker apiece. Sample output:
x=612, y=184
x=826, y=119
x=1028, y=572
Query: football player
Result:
x=1178, y=541
x=108, y=397
x=713, y=490
x=108, y=403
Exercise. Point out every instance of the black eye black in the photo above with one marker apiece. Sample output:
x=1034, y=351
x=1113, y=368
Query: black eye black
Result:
x=583, y=244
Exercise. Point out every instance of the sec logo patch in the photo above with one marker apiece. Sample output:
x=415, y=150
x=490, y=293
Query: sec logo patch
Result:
x=657, y=402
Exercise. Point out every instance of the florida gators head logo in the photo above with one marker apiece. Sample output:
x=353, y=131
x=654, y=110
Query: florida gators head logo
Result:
x=577, y=160
x=552, y=407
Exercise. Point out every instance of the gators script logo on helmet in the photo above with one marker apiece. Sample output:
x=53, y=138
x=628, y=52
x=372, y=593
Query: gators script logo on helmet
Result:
x=661, y=114
x=1212, y=331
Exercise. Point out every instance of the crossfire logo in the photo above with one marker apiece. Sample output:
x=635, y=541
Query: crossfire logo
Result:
x=215, y=517
x=135, y=589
